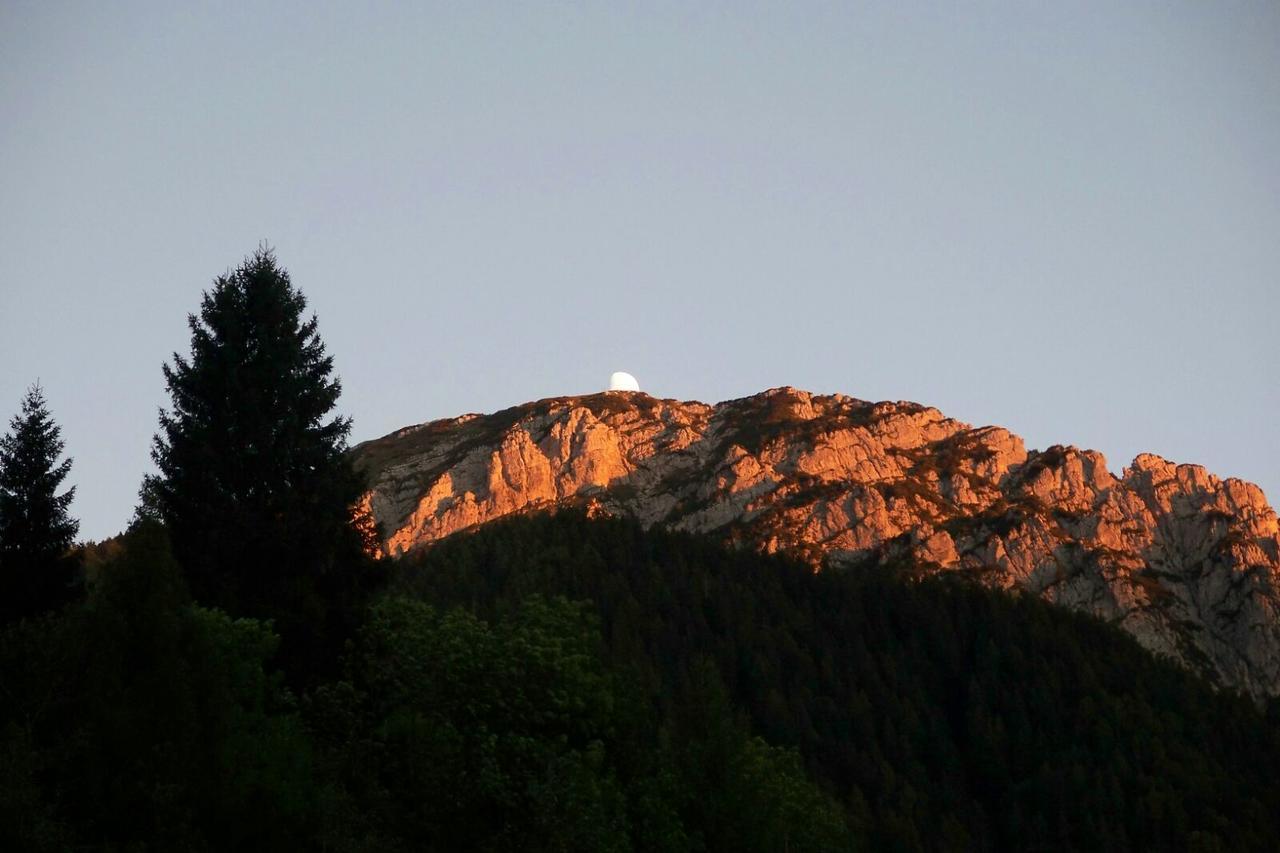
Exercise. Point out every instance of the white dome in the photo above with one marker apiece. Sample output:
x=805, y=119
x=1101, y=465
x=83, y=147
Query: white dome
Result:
x=623, y=382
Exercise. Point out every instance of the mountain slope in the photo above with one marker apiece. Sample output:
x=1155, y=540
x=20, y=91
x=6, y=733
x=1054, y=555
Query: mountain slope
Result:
x=941, y=715
x=1184, y=561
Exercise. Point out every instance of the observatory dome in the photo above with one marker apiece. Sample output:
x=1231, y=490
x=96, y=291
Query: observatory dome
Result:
x=623, y=382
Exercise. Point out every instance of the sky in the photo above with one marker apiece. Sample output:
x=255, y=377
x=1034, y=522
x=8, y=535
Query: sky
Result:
x=1063, y=218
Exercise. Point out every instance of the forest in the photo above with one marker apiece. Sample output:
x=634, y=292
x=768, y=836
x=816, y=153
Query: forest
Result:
x=236, y=671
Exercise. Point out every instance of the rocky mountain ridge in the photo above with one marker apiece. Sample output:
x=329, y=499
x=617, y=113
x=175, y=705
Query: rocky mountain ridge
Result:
x=1184, y=561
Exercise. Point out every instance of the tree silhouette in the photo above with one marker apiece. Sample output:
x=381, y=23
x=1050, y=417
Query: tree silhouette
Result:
x=36, y=572
x=253, y=480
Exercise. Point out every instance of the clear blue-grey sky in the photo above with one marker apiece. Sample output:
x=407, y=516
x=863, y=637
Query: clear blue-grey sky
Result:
x=1059, y=217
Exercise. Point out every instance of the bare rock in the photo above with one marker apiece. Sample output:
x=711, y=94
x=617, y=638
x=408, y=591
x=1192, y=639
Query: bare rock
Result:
x=1184, y=561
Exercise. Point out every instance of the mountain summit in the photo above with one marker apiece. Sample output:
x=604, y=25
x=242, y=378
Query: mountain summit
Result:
x=1184, y=561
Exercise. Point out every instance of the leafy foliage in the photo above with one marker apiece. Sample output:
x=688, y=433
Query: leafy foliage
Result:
x=480, y=736
x=36, y=532
x=137, y=720
x=514, y=735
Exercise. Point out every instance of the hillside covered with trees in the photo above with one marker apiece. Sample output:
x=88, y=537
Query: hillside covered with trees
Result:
x=236, y=672
x=560, y=683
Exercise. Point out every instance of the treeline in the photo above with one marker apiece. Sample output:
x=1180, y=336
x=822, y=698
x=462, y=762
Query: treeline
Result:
x=940, y=715
x=559, y=683
x=235, y=672
x=138, y=719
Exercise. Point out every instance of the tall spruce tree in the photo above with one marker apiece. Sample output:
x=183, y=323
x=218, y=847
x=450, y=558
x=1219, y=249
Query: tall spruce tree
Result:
x=36, y=533
x=253, y=481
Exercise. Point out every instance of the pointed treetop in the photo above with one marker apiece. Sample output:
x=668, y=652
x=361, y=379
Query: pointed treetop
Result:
x=35, y=530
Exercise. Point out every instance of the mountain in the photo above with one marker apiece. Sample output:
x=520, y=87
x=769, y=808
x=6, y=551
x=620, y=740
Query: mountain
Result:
x=1184, y=561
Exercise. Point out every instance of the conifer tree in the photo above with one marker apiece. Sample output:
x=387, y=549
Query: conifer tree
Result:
x=36, y=533
x=253, y=481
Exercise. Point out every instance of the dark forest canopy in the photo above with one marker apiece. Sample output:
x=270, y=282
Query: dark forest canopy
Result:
x=942, y=715
x=559, y=683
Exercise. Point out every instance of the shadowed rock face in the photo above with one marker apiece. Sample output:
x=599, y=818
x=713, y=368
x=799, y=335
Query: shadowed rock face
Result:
x=1184, y=561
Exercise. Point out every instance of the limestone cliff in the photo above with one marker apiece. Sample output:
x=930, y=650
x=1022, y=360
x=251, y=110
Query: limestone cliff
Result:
x=1186, y=562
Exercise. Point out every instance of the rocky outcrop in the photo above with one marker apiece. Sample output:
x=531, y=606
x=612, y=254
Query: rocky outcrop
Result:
x=1184, y=561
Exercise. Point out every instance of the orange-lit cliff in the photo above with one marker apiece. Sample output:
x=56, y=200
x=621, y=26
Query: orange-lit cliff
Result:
x=1184, y=561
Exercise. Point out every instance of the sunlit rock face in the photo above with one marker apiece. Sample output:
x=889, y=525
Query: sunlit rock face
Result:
x=1184, y=561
